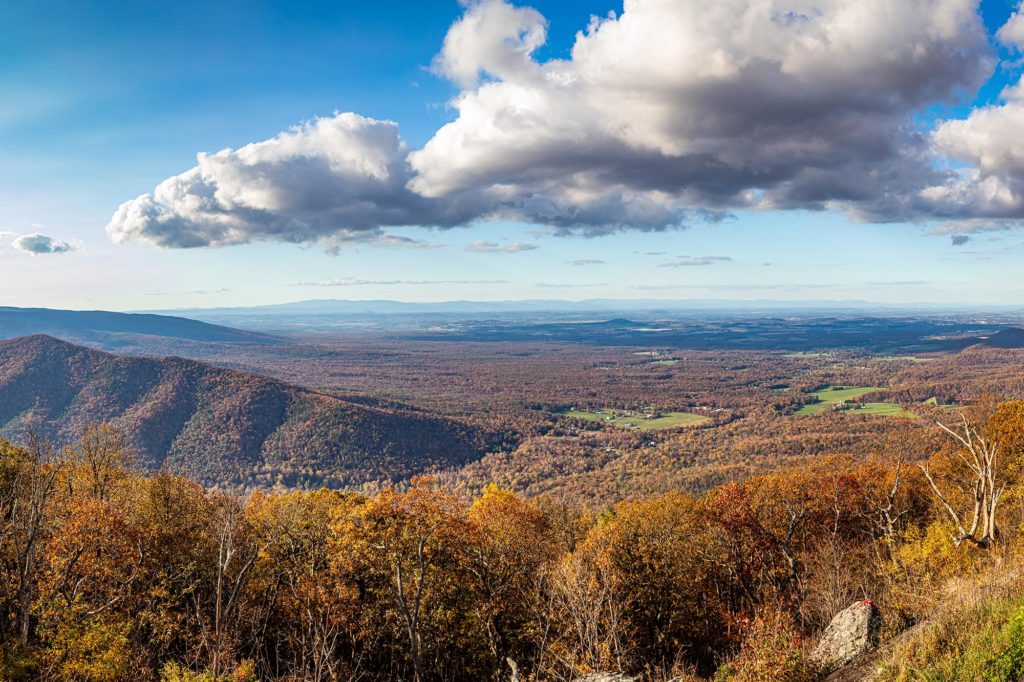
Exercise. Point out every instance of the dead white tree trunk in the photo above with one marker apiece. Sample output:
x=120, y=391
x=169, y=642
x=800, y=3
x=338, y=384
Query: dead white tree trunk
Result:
x=981, y=487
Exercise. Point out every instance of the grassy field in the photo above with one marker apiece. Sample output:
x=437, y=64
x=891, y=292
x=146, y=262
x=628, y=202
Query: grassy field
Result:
x=883, y=410
x=836, y=394
x=664, y=362
x=587, y=416
x=667, y=420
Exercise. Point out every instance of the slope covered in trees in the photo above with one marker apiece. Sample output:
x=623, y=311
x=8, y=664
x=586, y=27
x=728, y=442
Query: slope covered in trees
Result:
x=109, y=575
x=223, y=427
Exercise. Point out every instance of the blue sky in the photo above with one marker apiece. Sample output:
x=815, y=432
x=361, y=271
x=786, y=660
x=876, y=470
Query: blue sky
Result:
x=101, y=102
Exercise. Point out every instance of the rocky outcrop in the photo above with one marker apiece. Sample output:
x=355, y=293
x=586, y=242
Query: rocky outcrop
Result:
x=852, y=632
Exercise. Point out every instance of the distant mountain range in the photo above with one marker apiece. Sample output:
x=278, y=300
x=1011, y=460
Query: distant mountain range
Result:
x=224, y=427
x=338, y=315
x=97, y=327
x=384, y=307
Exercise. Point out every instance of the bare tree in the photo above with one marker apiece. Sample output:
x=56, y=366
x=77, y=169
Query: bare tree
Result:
x=34, y=488
x=981, y=486
x=235, y=557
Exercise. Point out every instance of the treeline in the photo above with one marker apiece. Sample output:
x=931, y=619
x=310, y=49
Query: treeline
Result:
x=108, y=574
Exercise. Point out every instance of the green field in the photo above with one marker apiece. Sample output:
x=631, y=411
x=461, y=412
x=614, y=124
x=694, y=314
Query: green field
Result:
x=836, y=394
x=882, y=410
x=587, y=416
x=664, y=362
x=667, y=420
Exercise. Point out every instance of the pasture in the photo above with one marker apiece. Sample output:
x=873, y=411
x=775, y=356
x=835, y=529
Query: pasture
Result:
x=833, y=395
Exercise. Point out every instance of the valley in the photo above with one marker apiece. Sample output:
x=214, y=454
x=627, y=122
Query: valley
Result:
x=586, y=418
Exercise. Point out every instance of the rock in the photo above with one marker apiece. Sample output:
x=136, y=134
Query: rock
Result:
x=608, y=677
x=852, y=632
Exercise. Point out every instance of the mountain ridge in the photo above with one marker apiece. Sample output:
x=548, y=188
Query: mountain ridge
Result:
x=224, y=427
x=101, y=326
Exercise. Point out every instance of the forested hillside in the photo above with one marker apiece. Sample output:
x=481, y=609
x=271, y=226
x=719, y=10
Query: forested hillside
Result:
x=109, y=575
x=225, y=428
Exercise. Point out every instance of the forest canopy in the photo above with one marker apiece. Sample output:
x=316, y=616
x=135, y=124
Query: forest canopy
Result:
x=111, y=574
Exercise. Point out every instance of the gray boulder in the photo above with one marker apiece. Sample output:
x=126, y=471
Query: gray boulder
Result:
x=852, y=632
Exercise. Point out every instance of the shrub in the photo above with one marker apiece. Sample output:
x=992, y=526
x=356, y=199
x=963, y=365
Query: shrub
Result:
x=772, y=651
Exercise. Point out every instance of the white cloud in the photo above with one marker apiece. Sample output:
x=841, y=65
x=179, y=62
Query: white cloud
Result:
x=688, y=262
x=38, y=244
x=342, y=177
x=484, y=246
x=990, y=189
x=492, y=38
x=672, y=112
x=679, y=105
x=334, y=243
x=1012, y=32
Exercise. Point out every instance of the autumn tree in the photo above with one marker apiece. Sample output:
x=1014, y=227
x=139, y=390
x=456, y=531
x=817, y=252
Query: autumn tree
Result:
x=667, y=567
x=586, y=623
x=174, y=516
x=301, y=619
x=87, y=593
x=102, y=460
x=411, y=548
x=512, y=541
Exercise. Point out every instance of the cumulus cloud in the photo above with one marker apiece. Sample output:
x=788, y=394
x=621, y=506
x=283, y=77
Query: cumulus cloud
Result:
x=484, y=246
x=989, y=189
x=986, y=191
x=675, y=106
x=959, y=239
x=342, y=178
x=38, y=244
x=1012, y=32
x=492, y=39
x=688, y=262
x=670, y=113
x=579, y=262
